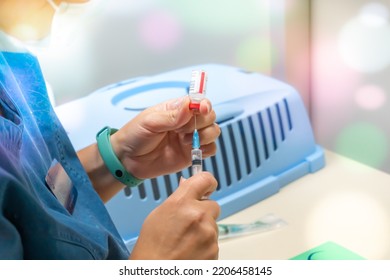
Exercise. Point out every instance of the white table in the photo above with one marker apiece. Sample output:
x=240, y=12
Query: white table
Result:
x=345, y=202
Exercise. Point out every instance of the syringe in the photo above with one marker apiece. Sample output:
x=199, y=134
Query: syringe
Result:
x=197, y=93
x=196, y=154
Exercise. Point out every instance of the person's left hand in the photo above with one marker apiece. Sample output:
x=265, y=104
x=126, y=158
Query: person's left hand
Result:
x=158, y=141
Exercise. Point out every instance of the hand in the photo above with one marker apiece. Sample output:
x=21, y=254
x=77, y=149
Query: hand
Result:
x=158, y=140
x=184, y=226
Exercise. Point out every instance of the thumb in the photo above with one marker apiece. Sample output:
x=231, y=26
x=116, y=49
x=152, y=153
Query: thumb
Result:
x=169, y=115
x=182, y=180
x=198, y=186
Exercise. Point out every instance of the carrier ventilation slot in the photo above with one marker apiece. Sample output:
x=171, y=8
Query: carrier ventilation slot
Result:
x=242, y=145
x=168, y=185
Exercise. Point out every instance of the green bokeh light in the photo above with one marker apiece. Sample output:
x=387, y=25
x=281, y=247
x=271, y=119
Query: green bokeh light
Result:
x=363, y=142
x=220, y=16
x=255, y=54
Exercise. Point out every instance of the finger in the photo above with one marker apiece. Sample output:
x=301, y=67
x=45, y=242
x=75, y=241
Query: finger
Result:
x=202, y=121
x=209, y=150
x=199, y=185
x=205, y=107
x=166, y=116
x=205, y=120
x=182, y=180
x=207, y=135
x=212, y=208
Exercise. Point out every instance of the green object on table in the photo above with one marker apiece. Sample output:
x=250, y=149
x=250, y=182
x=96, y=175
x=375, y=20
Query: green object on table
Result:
x=328, y=251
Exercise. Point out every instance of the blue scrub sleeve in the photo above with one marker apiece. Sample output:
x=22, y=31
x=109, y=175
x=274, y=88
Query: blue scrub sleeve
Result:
x=34, y=223
x=11, y=247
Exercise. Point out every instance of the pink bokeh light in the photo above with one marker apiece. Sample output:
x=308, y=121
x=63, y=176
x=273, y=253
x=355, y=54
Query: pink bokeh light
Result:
x=333, y=87
x=160, y=31
x=333, y=82
x=370, y=97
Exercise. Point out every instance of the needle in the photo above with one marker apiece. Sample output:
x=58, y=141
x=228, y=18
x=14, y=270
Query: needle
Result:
x=195, y=121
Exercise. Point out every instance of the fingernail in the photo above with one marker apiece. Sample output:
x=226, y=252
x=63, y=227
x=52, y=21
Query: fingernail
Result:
x=208, y=108
x=207, y=105
x=182, y=179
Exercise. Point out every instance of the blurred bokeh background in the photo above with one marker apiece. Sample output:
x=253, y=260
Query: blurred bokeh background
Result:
x=336, y=53
x=350, y=85
x=116, y=40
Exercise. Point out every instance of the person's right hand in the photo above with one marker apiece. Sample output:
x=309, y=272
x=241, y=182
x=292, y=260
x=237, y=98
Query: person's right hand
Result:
x=184, y=226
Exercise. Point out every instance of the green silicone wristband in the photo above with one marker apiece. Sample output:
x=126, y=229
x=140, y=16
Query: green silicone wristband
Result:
x=111, y=160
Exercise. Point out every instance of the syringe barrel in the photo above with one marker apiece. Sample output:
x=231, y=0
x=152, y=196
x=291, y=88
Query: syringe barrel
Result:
x=196, y=155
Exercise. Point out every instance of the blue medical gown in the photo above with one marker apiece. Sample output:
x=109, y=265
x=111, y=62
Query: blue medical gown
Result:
x=34, y=224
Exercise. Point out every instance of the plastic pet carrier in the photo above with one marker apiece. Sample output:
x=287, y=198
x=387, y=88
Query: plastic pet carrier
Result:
x=266, y=140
